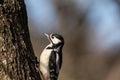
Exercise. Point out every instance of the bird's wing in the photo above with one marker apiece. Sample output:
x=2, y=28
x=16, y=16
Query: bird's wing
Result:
x=53, y=66
x=60, y=59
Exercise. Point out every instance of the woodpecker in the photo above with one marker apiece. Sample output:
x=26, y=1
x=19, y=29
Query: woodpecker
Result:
x=51, y=57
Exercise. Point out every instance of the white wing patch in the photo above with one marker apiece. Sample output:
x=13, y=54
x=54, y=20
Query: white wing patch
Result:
x=57, y=63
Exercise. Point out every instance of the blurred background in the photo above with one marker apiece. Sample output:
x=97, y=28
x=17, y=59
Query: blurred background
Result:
x=91, y=29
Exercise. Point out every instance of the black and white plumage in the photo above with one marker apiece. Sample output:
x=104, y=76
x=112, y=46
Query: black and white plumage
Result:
x=51, y=57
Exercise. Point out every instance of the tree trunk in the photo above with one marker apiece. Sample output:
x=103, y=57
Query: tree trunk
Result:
x=17, y=58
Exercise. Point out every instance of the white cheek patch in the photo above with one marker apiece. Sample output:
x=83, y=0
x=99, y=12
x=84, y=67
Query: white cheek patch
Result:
x=55, y=40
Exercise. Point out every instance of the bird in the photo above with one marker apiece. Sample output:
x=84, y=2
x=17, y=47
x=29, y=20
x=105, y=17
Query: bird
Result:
x=51, y=57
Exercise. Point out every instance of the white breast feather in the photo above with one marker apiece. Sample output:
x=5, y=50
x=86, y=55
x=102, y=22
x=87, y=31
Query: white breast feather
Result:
x=44, y=60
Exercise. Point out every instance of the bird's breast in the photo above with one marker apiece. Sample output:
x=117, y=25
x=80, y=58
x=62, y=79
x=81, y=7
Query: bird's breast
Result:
x=44, y=58
x=44, y=61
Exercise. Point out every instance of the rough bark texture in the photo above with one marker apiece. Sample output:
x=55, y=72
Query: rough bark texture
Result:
x=17, y=59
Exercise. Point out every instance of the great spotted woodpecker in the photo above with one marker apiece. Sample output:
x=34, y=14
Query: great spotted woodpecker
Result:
x=51, y=57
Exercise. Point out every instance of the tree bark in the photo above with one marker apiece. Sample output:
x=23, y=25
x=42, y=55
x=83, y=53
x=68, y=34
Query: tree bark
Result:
x=17, y=58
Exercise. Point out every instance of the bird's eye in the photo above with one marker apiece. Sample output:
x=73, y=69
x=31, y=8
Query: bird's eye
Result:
x=52, y=37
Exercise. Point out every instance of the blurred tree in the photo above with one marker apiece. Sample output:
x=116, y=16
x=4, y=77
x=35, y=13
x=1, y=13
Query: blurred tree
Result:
x=17, y=59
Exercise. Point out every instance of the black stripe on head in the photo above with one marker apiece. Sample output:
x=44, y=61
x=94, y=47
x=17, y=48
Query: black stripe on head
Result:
x=58, y=36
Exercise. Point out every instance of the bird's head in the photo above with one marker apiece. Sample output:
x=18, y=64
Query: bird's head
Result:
x=55, y=39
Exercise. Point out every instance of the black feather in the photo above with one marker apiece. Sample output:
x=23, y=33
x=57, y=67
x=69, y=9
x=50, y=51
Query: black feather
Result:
x=52, y=66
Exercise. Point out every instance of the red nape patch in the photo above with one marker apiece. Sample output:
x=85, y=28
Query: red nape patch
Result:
x=62, y=41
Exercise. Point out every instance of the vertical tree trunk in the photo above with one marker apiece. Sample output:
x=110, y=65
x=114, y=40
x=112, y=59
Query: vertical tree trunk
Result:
x=17, y=59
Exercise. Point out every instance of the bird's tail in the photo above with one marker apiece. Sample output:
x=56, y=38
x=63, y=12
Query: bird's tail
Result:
x=53, y=76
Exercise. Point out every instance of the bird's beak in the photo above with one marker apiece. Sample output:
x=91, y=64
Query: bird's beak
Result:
x=48, y=36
